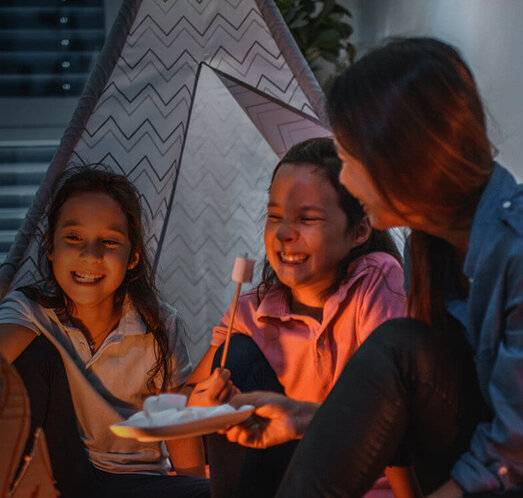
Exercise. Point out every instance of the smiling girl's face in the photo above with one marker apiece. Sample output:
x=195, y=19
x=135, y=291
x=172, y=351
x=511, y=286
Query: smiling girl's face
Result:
x=91, y=250
x=306, y=232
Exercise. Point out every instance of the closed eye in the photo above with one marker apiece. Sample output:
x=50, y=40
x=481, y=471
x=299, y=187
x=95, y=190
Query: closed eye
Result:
x=72, y=238
x=111, y=243
x=311, y=219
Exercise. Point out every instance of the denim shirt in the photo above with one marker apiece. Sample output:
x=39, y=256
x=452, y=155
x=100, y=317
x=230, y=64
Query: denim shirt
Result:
x=493, y=318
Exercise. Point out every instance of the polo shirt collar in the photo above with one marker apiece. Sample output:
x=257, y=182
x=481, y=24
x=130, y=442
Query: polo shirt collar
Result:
x=274, y=304
x=130, y=323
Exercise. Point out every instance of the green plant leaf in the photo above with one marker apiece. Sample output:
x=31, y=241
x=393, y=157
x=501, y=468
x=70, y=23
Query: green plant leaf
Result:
x=308, y=6
x=345, y=29
x=329, y=56
x=339, y=9
x=328, y=38
x=321, y=30
x=327, y=8
x=312, y=54
x=299, y=21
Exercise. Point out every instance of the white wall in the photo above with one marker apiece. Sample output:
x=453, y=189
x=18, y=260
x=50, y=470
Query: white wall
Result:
x=488, y=34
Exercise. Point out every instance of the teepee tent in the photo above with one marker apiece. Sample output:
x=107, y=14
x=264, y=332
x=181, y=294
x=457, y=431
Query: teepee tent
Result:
x=194, y=101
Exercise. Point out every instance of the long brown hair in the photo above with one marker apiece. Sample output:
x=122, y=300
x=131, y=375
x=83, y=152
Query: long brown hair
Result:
x=138, y=283
x=411, y=114
x=321, y=153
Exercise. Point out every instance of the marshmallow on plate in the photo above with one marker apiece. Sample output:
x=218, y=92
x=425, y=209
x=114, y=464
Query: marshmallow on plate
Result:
x=170, y=409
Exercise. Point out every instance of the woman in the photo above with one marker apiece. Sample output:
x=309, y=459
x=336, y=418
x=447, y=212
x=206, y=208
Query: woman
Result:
x=441, y=389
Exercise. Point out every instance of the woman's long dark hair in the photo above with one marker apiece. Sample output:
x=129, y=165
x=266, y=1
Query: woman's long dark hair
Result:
x=138, y=283
x=411, y=114
x=321, y=154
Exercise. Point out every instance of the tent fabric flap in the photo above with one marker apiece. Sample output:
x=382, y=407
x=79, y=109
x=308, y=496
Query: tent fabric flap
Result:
x=194, y=101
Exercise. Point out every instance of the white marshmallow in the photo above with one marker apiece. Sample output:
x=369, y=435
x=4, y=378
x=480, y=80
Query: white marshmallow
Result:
x=170, y=409
x=164, y=402
x=243, y=270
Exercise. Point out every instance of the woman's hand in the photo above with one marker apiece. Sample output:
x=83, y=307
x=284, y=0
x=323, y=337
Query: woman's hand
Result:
x=216, y=389
x=276, y=419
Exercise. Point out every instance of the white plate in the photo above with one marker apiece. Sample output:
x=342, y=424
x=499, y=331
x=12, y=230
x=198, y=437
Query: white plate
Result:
x=185, y=429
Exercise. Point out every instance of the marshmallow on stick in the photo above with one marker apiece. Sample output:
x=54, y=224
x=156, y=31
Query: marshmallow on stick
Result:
x=241, y=273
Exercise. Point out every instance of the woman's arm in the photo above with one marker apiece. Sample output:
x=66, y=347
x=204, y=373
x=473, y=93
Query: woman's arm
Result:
x=13, y=340
x=494, y=461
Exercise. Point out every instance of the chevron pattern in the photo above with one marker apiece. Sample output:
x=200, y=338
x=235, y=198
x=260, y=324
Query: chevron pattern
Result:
x=218, y=208
x=281, y=126
x=166, y=120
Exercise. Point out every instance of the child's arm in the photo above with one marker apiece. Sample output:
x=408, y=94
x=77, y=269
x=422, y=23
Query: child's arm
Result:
x=203, y=369
x=202, y=389
x=187, y=456
x=13, y=340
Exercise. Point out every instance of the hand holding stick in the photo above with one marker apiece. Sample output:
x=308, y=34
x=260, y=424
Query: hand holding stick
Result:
x=241, y=272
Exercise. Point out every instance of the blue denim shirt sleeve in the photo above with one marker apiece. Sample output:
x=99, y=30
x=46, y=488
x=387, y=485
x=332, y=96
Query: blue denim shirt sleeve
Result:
x=494, y=263
x=495, y=458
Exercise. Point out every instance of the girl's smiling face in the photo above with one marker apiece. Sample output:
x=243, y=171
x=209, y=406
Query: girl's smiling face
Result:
x=306, y=232
x=91, y=250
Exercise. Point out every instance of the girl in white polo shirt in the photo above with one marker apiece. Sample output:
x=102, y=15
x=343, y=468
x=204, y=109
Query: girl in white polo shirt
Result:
x=92, y=341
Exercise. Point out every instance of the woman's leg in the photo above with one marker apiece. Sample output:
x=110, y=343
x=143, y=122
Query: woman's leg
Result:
x=237, y=471
x=45, y=380
x=407, y=387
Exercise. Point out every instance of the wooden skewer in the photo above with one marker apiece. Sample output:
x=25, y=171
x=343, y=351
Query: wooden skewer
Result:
x=241, y=273
x=229, y=330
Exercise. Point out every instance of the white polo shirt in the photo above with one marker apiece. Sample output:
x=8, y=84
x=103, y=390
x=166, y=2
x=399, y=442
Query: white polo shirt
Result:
x=110, y=385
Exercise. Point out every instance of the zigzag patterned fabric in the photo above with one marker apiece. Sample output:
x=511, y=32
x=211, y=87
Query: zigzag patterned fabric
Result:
x=194, y=101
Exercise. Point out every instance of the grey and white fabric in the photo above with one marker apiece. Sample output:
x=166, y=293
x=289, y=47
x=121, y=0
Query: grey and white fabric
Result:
x=193, y=100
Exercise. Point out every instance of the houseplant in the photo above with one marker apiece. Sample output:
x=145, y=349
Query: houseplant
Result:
x=321, y=31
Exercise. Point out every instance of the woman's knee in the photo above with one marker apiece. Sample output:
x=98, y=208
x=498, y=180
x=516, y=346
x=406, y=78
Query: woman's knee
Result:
x=415, y=348
x=410, y=336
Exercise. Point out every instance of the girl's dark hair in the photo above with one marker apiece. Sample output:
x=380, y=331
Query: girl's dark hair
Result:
x=321, y=153
x=411, y=114
x=138, y=283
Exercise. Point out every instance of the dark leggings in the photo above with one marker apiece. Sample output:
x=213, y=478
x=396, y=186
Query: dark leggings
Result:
x=237, y=471
x=408, y=395
x=43, y=373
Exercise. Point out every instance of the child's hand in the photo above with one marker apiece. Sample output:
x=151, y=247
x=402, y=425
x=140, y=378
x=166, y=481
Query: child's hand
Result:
x=214, y=390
